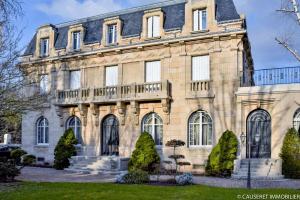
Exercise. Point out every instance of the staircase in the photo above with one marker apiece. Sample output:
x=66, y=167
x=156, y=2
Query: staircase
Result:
x=260, y=169
x=111, y=165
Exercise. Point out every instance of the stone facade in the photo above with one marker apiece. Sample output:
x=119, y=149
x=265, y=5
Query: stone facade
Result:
x=174, y=99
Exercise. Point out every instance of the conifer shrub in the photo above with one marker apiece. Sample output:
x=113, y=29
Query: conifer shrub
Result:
x=221, y=159
x=290, y=154
x=145, y=156
x=64, y=150
x=16, y=155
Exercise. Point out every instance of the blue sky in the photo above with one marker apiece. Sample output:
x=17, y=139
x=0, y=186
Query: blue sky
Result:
x=264, y=23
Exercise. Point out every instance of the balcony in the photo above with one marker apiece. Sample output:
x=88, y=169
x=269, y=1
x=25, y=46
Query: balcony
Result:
x=104, y=95
x=199, y=89
x=275, y=76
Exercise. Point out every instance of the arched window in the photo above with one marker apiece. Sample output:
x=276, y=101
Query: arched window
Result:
x=75, y=124
x=42, y=131
x=200, y=129
x=153, y=124
x=296, y=121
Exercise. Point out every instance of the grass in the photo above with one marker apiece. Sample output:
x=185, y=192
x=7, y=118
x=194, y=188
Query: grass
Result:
x=82, y=191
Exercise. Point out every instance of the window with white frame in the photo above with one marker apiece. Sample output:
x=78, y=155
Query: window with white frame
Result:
x=153, y=26
x=200, y=20
x=200, y=129
x=44, y=84
x=296, y=121
x=153, y=70
x=76, y=40
x=44, y=47
x=74, y=123
x=42, y=131
x=200, y=68
x=75, y=80
x=153, y=124
x=111, y=76
x=112, y=34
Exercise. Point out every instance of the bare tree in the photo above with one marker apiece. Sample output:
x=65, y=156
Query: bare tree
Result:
x=290, y=7
x=13, y=78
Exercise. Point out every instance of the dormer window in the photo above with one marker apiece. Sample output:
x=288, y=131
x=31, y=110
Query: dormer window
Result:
x=76, y=40
x=112, y=34
x=200, y=20
x=153, y=26
x=44, y=47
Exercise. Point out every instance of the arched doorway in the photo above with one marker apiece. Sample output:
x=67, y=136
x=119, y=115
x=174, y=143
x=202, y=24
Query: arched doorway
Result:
x=259, y=126
x=110, y=136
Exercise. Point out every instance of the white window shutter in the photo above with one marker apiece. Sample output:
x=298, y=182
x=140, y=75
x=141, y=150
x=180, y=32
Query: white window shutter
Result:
x=78, y=40
x=44, y=87
x=150, y=27
x=75, y=80
x=200, y=68
x=111, y=74
x=196, y=20
x=47, y=47
x=156, y=26
x=153, y=71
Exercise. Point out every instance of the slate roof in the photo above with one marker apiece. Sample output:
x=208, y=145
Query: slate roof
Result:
x=132, y=19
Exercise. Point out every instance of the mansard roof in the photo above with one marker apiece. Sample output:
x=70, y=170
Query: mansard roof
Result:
x=132, y=20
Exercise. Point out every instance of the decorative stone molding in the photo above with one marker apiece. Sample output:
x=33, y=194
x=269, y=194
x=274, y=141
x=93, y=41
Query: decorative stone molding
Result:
x=46, y=31
x=83, y=109
x=95, y=112
x=135, y=111
x=121, y=110
x=59, y=113
x=166, y=109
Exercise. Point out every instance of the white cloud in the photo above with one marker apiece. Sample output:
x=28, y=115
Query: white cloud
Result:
x=74, y=9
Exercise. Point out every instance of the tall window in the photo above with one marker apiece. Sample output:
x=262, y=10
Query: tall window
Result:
x=112, y=34
x=153, y=71
x=200, y=20
x=75, y=124
x=111, y=74
x=44, y=84
x=75, y=77
x=153, y=125
x=200, y=129
x=153, y=26
x=44, y=47
x=200, y=68
x=42, y=130
x=296, y=122
x=76, y=40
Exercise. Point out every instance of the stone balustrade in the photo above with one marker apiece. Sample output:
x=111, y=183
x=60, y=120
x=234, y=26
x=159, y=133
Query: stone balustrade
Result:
x=139, y=92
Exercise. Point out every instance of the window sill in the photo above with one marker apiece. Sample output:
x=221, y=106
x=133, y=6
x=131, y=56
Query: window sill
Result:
x=44, y=56
x=42, y=146
x=111, y=45
x=200, y=31
x=201, y=147
x=153, y=38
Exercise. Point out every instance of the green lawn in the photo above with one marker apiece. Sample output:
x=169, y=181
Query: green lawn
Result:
x=81, y=191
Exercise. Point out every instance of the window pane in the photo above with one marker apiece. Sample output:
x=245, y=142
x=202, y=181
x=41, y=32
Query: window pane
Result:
x=206, y=134
x=200, y=68
x=75, y=77
x=156, y=26
x=150, y=27
x=112, y=34
x=44, y=88
x=204, y=20
x=153, y=71
x=111, y=76
x=196, y=20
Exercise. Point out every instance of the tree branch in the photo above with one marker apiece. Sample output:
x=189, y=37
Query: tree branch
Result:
x=292, y=51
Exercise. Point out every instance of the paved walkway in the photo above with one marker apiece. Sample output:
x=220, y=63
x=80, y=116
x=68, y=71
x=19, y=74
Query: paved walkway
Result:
x=52, y=175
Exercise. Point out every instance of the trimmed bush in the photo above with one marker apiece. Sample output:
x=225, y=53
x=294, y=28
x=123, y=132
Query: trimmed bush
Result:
x=17, y=154
x=290, y=154
x=184, y=179
x=144, y=157
x=134, y=177
x=221, y=159
x=8, y=171
x=64, y=150
x=28, y=160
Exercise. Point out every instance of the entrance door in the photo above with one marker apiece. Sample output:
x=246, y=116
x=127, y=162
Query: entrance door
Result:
x=259, y=130
x=110, y=136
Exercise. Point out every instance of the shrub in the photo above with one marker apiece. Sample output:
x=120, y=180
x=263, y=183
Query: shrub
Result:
x=221, y=160
x=64, y=150
x=290, y=154
x=144, y=157
x=17, y=154
x=184, y=179
x=134, y=177
x=28, y=160
x=8, y=171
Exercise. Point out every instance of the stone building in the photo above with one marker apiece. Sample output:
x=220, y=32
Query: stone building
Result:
x=180, y=69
